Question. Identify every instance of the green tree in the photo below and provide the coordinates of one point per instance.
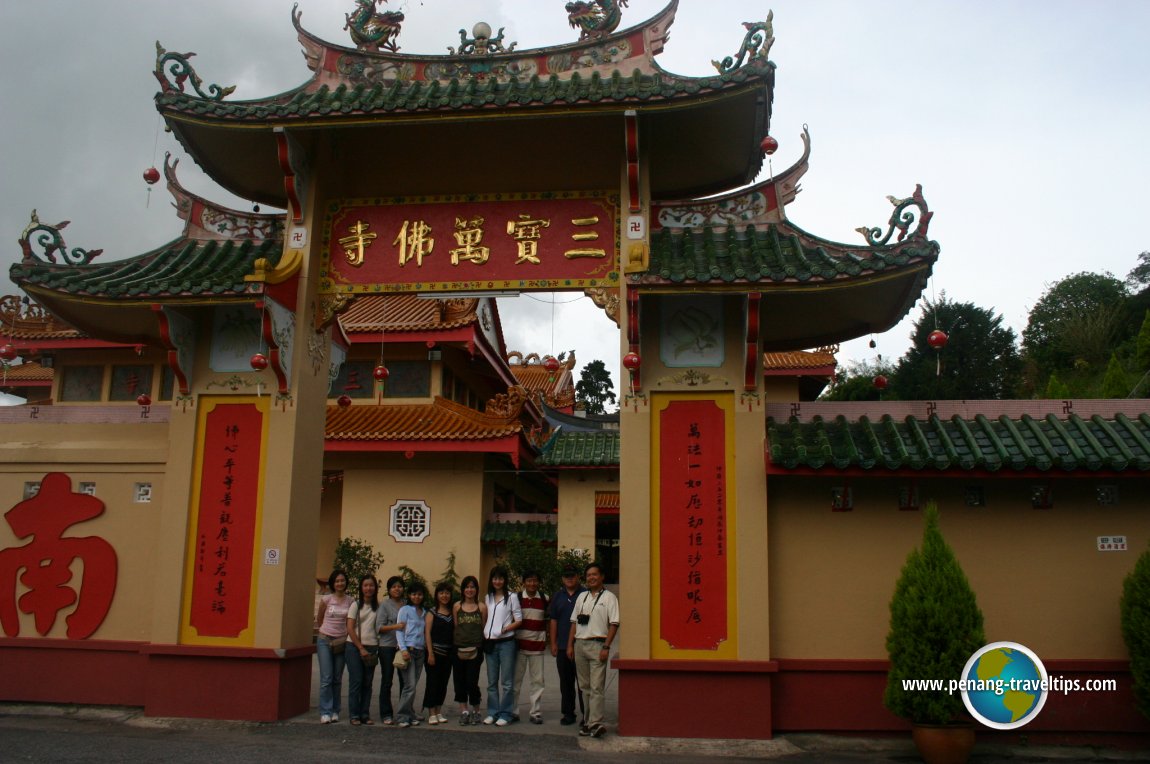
(1139, 276)
(935, 626)
(594, 388)
(524, 554)
(1078, 319)
(358, 558)
(1115, 384)
(1142, 345)
(449, 575)
(1056, 390)
(980, 360)
(410, 577)
(1134, 608)
(856, 382)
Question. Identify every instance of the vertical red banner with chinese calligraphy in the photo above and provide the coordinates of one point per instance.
(693, 511)
(225, 521)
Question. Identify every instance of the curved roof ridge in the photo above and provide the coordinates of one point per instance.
(205, 219)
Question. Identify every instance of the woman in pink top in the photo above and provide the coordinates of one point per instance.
(331, 620)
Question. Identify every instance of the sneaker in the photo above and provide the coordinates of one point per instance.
(501, 723)
(464, 718)
(536, 718)
(585, 731)
(489, 720)
(325, 719)
(475, 717)
(514, 717)
(432, 719)
(415, 722)
(387, 722)
(441, 718)
(334, 718)
(568, 720)
(404, 725)
(598, 730)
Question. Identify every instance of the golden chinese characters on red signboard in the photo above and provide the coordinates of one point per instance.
(471, 243)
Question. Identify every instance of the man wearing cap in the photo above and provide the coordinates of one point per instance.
(562, 605)
(594, 624)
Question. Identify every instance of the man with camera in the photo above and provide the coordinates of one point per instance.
(596, 622)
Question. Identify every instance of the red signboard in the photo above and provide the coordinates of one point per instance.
(692, 525)
(229, 481)
(471, 243)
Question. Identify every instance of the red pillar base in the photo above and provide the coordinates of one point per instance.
(222, 683)
(696, 699)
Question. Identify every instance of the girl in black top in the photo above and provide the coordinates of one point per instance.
(440, 651)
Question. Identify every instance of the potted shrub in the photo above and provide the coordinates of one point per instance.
(935, 626)
(1135, 608)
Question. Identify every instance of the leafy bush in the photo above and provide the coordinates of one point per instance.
(935, 626)
(1135, 611)
(358, 558)
(523, 554)
(449, 576)
(410, 577)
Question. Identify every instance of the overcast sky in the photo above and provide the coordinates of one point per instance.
(1025, 122)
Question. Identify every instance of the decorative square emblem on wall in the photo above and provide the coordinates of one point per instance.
(410, 521)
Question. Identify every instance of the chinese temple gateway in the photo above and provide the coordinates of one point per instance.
(208, 418)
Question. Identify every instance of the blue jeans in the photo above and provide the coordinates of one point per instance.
(360, 678)
(330, 676)
(408, 678)
(501, 679)
(387, 674)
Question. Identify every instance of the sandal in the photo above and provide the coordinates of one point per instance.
(355, 722)
(368, 722)
(388, 722)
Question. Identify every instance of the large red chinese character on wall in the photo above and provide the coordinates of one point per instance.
(47, 558)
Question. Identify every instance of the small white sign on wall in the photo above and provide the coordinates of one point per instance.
(271, 557)
(410, 520)
(1111, 543)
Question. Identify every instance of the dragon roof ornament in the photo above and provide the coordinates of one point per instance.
(756, 45)
(595, 19)
(52, 242)
(901, 219)
(370, 30)
(173, 70)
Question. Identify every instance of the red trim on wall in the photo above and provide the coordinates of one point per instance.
(878, 471)
(251, 684)
(508, 445)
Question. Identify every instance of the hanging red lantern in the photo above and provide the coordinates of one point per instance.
(880, 382)
(144, 400)
(631, 362)
(8, 353)
(381, 373)
(151, 176)
(551, 364)
(259, 362)
(769, 145)
(343, 401)
(937, 339)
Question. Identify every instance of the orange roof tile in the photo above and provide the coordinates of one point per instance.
(798, 360)
(406, 312)
(29, 372)
(529, 373)
(607, 500)
(439, 420)
(29, 321)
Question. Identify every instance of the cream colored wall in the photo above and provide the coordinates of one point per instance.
(1037, 575)
(453, 488)
(780, 389)
(115, 458)
(577, 507)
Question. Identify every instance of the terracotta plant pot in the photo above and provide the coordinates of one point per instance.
(944, 743)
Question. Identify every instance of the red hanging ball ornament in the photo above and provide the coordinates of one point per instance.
(880, 382)
(551, 364)
(381, 373)
(937, 339)
(259, 362)
(343, 401)
(8, 353)
(144, 400)
(769, 145)
(151, 176)
(631, 362)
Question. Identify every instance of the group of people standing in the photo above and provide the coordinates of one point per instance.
(451, 637)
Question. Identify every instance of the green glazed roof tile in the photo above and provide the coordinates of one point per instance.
(770, 252)
(582, 449)
(1070, 443)
(182, 267)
